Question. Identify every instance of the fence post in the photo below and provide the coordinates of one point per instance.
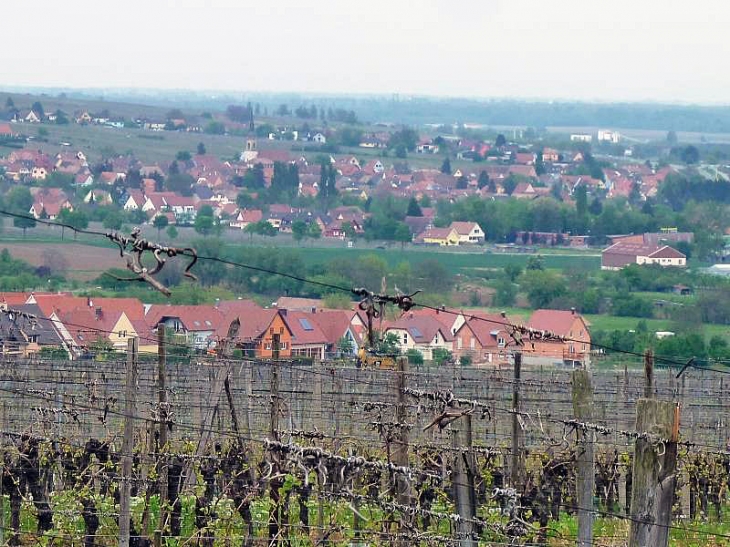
(654, 477)
(130, 409)
(464, 487)
(274, 483)
(585, 476)
(517, 460)
(163, 418)
(648, 374)
(317, 410)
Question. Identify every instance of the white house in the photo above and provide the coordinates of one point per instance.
(319, 138)
(468, 232)
(605, 135)
(581, 137)
(422, 333)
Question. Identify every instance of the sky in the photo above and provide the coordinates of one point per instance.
(608, 50)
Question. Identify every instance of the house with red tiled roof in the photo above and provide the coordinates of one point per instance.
(198, 323)
(261, 332)
(443, 237)
(484, 339)
(421, 333)
(468, 232)
(307, 339)
(574, 350)
(336, 327)
(246, 217)
(626, 252)
(135, 200)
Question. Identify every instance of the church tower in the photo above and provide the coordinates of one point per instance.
(250, 153)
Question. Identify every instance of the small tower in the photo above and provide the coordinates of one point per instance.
(250, 153)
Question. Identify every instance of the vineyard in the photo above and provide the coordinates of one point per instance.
(143, 449)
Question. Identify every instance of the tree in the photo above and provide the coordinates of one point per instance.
(201, 149)
(414, 210)
(581, 200)
(215, 128)
(171, 232)
(415, 357)
(314, 231)
(9, 104)
(205, 221)
(299, 230)
(160, 222)
(77, 219)
(500, 141)
(446, 166)
(254, 177)
(113, 220)
(19, 201)
(462, 183)
(283, 110)
(542, 287)
(183, 155)
(61, 118)
(175, 114)
(441, 356)
(671, 137)
(690, 155)
(180, 183)
(38, 109)
(483, 180)
(403, 234)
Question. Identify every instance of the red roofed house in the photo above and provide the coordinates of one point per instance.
(337, 328)
(484, 339)
(307, 339)
(565, 323)
(246, 217)
(423, 334)
(625, 253)
(468, 232)
(198, 323)
(260, 331)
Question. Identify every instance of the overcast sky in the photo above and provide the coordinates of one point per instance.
(656, 50)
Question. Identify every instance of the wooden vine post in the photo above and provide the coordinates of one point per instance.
(464, 481)
(585, 476)
(274, 483)
(400, 451)
(130, 410)
(517, 464)
(163, 418)
(655, 463)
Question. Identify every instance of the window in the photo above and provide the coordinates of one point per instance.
(405, 338)
(500, 342)
(281, 330)
(271, 330)
(572, 348)
(459, 343)
(473, 343)
(283, 345)
(306, 325)
(267, 345)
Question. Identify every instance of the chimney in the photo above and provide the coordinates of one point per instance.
(283, 311)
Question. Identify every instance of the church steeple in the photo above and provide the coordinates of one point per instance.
(250, 152)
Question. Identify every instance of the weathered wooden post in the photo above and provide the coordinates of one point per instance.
(517, 460)
(130, 410)
(162, 418)
(585, 476)
(464, 484)
(654, 478)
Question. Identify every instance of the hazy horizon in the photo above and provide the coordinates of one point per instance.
(519, 49)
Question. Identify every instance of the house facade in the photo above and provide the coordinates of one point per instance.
(622, 254)
(575, 350)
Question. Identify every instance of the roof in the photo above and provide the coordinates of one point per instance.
(422, 329)
(12, 330)
(557, 321)
(254, 322)
(463, 228)
(436, 233)
(193, 318)
(298, 304)
(304, 328)
(487, 327)
(642, 249)
(333, 323)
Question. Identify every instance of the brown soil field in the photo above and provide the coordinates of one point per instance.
(84, 262)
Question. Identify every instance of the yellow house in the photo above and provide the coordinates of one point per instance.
(444, 237)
